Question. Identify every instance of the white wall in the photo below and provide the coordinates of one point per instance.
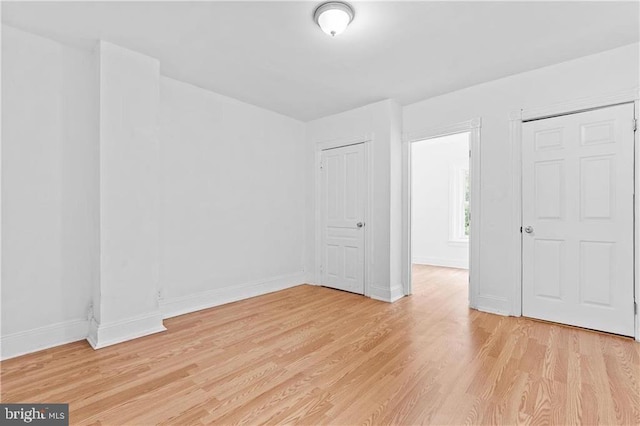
(232, 215)
(607, 72)
(120, 186)
(380, 121)
(49, 220)
(433, 163)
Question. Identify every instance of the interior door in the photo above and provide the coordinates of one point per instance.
(343, 206)
(577, 244)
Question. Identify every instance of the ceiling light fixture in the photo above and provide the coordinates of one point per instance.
(333, 17)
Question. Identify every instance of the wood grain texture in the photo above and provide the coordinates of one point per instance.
(312, 355)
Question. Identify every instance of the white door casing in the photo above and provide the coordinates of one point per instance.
(473, 127)
(577, 216)
(343, 189)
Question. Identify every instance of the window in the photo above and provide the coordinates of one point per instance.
(459, 205)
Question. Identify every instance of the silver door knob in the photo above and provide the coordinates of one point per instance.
(359, 224)
(528, 229)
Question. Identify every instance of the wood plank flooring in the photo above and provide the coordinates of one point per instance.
(312, 355)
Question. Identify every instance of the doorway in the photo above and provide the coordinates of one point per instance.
(470, 225)
(440, 210)
(578, 219)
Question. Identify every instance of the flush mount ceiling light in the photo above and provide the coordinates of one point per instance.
(333, 17)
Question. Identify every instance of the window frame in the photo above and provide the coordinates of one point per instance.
(458, 175)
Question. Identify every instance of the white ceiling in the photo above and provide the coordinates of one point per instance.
(271, 54)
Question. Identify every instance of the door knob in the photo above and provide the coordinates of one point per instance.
(359, 224)
(528, 229)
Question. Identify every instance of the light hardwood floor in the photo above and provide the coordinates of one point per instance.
(311, 355)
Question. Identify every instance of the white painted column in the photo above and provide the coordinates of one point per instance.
(125, 303)
(387, 181)
(396, 279)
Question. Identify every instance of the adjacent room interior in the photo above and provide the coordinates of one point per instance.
(321, 213)
(440, 210)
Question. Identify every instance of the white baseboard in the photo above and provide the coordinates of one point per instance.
(397, 293)
(493, 311)
(310, 278)
(102, 335)
(40, 338)
(493, 305)
(386, 294)
(437, 261)
(195, 302)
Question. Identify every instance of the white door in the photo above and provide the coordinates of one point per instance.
(343, 202)
(577, 243)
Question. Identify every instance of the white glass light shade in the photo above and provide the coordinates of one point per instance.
(333, 22)
(333, 17)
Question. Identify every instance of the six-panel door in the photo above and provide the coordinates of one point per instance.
(343, 202)
(578, 186)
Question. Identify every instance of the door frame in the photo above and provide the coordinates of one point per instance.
(367, 140)
(516, 118)
(472, 127)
